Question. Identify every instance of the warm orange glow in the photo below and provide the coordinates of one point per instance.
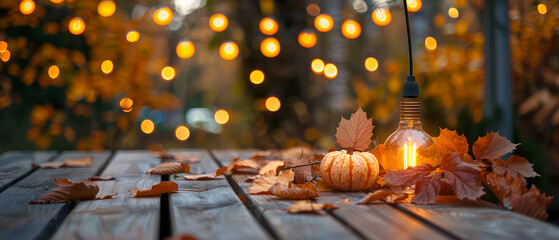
(218, 22)
(317, 66)
(410, 156)
(371, 64)
(182, 133)
(268, 26)
(221, 116)
(133, 36)
(56, 1)
(542, 9)
(256, 77)
(313, 9)
(323, 22)
(273, 104)
(453, 12)
(147, 126)
(3, 46)
(107, 66)
(163, 16)
(106, 8)
(330, 71)
(414, 5)
(430, 44)
(307, 39)
(381, 17)
(76, 26)
(27, 7)
(168, 73)
(126, 103)
(228, 50)
(185, 49)
(351, 29)
(270, 47)
(53, 71)
(5, 55)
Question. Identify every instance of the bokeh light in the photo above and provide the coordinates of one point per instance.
(323, 23)
(218, 22)
(542, 9)
(182, 133)
(270, 47)
(106, 8)
(168, 73)
(351, 29)
(256, 77)
(185, 49)
(221, 116)
(313, 9)
(163, 16)
(430, 44)
(228, 50)
(107, 66)
(371, 64)
(268, 26)
(453, 12)
(56, 1)
(133, 36)
(414, 5)
(147, 126)
(317, 66)
(273, 104)
(307, 39)
(53, 71)
(126, 103)
(381, 17)
(5, 55)
(76, 26)
(27, 7)
(330, 71)
(3, 46)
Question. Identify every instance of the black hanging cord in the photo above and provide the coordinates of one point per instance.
(409, 37)
(410, 86)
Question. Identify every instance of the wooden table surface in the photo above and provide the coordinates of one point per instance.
(219, 212)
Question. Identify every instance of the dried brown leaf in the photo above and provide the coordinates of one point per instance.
(305, 206)
(514, 166)
(68, 190)
(345, 200)
(168, 168)
(235, 165)
(70, 162)
(294, 192)
(407, 178)
(375, 196)
(321, 186)
(504, 187)
(96, 178)
(273, 167)
(532, 203)
(208, 176)
(263, 183)
(492, 146)
(355, 133)
(163, 187)
(463, 176)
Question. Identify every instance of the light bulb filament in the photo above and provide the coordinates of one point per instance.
(410, 156)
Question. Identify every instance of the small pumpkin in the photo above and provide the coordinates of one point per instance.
(349, 172)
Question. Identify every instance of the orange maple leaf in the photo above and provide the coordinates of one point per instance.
(492, 146)
(355, 133)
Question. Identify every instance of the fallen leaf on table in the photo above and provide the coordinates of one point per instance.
(235, 165)
(305, 174)
(201, 176)
(294, 192)
(182, 236)
(306, 206)
(386, 195)
(492, 146)
(168, 168)
(346, 200)
(321, 186)
(273, 166)
(164, 155)
(70, 162)
(96, 178)
(68, 190)
(532, 203)
(262, 184)
(513, 167)
(504, 187)
(355, 133)
(252, 179)
(163, 187)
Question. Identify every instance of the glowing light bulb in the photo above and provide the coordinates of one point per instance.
(182, 133)
(53, 71)
(330, 71)
(132, 36)
(218, 22)
(317, 66)
(381, 17)
(414, 5)
(163, 16)
(3, 46)
(126, 103)
(273, 104)
(270, 47)
(407, 145)
(221, 116)
(76, 26)
(106, 8)
(542, 9)
(5, 55)
(371, 64)
(256, 77)
(453, 12)
(107, 66)
(268, 26)
(351, 29)
(323, 22)
(56, 1)
(185, 49)
(307, 39)
(27, 7)
(430, 44)
(168, 73)
(147, 126)
(228, 50)
(313, 9)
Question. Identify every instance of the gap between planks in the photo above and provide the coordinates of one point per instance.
(16, 180)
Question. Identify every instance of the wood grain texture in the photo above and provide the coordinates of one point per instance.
(216, 213)
(15, 164)
(19, 220)
(124, 217)
(469, 221)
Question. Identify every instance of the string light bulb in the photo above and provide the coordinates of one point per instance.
(330, 71)
(3, 46)
(371, 64)
(317, 66)
(218, 22)
(228, 50)
(430, 44)
(256, 77)
(381, 17)
(132, 36)
(5, 55)
(221, 116)
(323, 22)
(126, 103)
(147, 126)
(542, 9)
(453, 12)
(106, 8)
(268, 26)
(76, 26)
(185, 49)
(307, 39)
(273, 104)
(351, 29)
(414, 5)
(168, 73)
(56, 1)
(270, 47)
(107, 66)
(163, 16)
(182, 133)
(27, 7)
(53, 71)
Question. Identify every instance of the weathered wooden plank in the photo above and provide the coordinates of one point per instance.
(216, 213)
(471, 221)
(15, 164)
(124, 217)
(19, 220)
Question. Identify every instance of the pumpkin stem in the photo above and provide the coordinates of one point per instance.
(350, 151)
(301, 165)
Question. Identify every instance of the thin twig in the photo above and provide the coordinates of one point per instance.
(301, 165)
